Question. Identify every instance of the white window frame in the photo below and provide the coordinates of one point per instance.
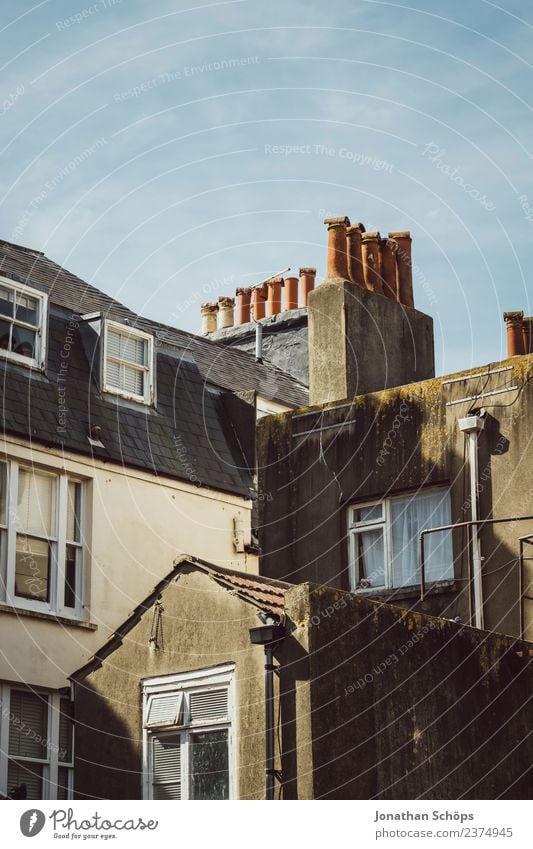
(52, 764)
(183, 684)
(39, 360)
(148, 370)
(385, 524)
(58, 545)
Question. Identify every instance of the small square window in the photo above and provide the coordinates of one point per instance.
(128, 362)
(22, 324)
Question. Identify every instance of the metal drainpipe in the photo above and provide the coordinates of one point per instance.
(473, 425)
(269, 723)
(258, 341)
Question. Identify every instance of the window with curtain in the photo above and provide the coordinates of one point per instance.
(383, 539)
(41, 539)
(38, 748)
(188, 736)
(22, 323)
(128, 366)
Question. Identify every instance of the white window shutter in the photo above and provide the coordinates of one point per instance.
(164, 710)
(208, 705)
(28, 720)
(166, 761)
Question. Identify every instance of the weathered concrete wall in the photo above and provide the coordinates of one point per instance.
(405, 706)
(203, 626)
(394, 442)
(285, 341)
(361, 342)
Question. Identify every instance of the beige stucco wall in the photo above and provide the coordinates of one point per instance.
(203, 626)
(137, 525)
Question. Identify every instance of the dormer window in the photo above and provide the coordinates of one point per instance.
(22, 324)
(128, 365)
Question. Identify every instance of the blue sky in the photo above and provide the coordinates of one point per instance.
(169, 152)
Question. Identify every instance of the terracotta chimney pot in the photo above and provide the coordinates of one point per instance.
(291, 293)
(307, 283)
(404, 264)
(209, 318)
(515, 333)
(337, 248)
(274, 288)
(388, 269)
(258, 302)
(355, 256)
(226, 308)
(243, 305)
(370, 249)
(528, 334)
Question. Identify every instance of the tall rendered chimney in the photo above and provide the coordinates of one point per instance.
(388, 269)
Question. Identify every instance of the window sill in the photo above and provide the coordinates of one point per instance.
(392, 594)
(49, 617)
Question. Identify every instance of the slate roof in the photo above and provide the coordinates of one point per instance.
(266, 594)
(227, 368)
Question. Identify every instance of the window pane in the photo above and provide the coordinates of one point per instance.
(6, 302)
(62, 782)
(32, 568)
(410, 516)
(208, 705)
(113, 374)
(26, 309)
(134, 350)
(73, 511)
(3, 493)
(24, 780)
(23, 341)
(28, 720)
(369, 553)
(71, 558)
(5, 335)
(132, 380)
(65, 732)
(166, 754)
(209, 765)
(36, 503)
(374, 513)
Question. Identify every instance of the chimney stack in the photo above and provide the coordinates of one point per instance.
(337, 248)
(209, 318)
(372, 261)
(388, 269)
(404, 267)
(243, 305)
(291, 293)
(307, 283)
(226, 307)
(274, 287)
(355, 256)
(258, 302)
(516, 338)
(528, 334)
